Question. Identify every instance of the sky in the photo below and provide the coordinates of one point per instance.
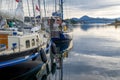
(79, 8)
(93, 8)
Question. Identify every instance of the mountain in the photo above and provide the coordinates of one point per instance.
(75, 19)
(87, 19)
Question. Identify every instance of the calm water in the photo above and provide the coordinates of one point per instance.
(95, 54)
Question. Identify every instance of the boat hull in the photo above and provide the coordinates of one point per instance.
(24, 71)
(18, 54)
(63, 37)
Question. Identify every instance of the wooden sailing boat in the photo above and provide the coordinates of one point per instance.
(21, 40)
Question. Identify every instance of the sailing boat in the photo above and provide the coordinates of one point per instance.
(20, 42)
(65, 32)
(61, 35)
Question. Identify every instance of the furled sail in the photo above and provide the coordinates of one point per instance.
(18, 13)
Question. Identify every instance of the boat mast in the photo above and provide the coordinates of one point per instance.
(44, 7)
(28, 8)
(34, 12)
(29, 11)
(1, 4)
(61, 8)
(39, 3)
(55, 6)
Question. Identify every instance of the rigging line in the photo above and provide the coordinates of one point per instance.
(61, 4)
(13, 4)
(28, 8)
(56, 75)
(1, 4)
(65, 72)
(62, 68)
(29, 12)
(55, 5)
(69, 7)
(34, 11)
(46, 7)
(44, 2)
(39, 3)
(59, 74)
(8, 6)
(70, 59)
(66, 10)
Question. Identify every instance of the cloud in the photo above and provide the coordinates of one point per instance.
(94, 4)
(78, 8)
(109, 63)
(94, 8)
(91, 67)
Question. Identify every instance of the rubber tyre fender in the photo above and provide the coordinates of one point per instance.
(53, 48)
(47, 47)
(54, 67)
(44, 77)
(43, 56)
(47, 69)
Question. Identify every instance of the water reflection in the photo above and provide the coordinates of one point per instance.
(95, 54)
(117, 26)
(86, 27)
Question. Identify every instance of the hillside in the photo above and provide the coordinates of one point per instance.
(87, 20)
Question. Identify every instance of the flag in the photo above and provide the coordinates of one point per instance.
(37, 8)
(17, 0)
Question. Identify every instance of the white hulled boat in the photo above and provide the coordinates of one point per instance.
(18, 39)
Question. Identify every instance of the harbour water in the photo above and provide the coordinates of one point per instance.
(95, 54)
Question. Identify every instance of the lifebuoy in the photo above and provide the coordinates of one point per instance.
(43, 55)
(54, 48)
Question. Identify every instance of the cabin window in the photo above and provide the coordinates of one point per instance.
(27, 43)
(37, 40)
(33, 42)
